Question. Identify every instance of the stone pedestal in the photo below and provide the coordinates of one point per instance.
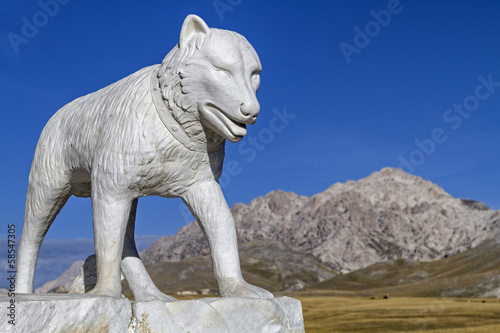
(64, 313)
(219, 315)
(83, 313)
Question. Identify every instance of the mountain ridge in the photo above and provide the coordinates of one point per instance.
(388, 215)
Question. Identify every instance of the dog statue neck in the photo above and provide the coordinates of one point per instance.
(184, 125)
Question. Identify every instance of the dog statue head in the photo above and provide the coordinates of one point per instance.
(209, 82)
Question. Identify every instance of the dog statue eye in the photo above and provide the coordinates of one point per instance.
(256, 80)
(221, 70)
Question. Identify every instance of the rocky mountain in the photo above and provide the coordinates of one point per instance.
(63, 282)
(473, 273)
(266, 263)
(387, 216)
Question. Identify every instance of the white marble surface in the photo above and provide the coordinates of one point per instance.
(218, 315)
(61, 313)
(58, 313)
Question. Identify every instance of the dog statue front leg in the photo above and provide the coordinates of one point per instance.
(110, 213)
(207, 203)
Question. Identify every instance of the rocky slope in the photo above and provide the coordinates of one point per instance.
(63, 282)
(473, 273)
(388, 215)
(266, 263)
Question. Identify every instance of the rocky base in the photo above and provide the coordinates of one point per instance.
(64, 313)
(86, 313)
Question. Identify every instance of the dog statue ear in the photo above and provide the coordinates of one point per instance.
(192, 25)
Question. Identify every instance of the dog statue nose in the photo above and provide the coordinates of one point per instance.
(250, 110)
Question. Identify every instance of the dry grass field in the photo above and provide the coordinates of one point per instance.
(400, 314)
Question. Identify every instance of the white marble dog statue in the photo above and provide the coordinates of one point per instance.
(160, 131)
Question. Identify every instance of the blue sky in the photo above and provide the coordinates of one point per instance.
(342, 94)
